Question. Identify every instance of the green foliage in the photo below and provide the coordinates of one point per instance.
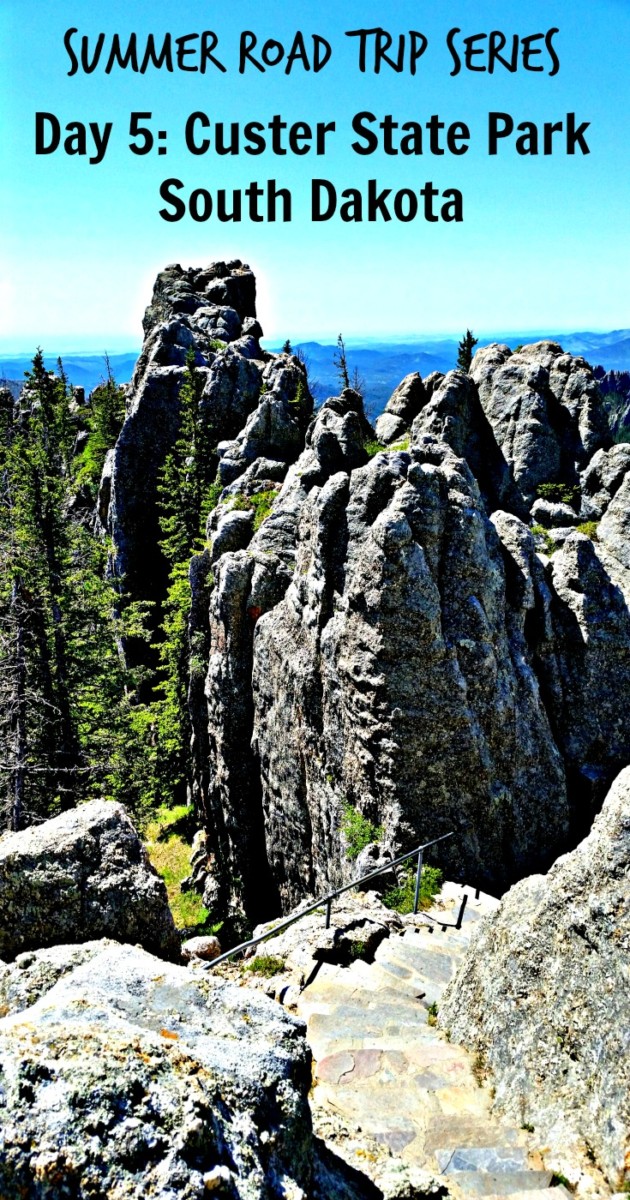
(66, 693)
(104, 417)
(432, 1014)
(541, 532)
(260, 502)
(560, 1180)
(590, 529)
(217, 344)
(560, 493)
(402, 445)
(465, 351)
(374, 447)
(301, 395)
(357, 831)
(168, 848)
(401, 898)
(266, 964)
(340, 362)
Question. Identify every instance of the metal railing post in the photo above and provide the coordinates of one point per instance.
(418, 878)
(461, 911)
(328, 911)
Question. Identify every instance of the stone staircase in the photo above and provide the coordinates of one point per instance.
(382, 1065)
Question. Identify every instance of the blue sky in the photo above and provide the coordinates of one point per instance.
(543, 243)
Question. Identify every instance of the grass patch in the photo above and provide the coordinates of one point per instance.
(402, 445)
(401, 898)
(260, 502)
(432, 1015)
(358, 832)
(167, 837)
(550, 545)
(590, 529)
(372, 448)
(266, 964)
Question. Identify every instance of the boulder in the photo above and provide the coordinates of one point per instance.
(389, 428)
(543, 996)
(550, 514)
(132, 1077)
(80, 876)
(204, 948)
(234, 532)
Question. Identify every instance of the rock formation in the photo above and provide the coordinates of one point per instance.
(79, 876)
(438, 635)
(124, 1075)
(543, 995)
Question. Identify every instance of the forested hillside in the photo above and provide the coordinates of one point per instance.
(81, 716)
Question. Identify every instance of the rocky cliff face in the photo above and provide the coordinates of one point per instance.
(410, 633)
(542, 994)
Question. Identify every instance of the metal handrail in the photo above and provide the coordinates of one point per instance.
(327, 900)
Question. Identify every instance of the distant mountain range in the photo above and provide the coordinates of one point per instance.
(380, 365)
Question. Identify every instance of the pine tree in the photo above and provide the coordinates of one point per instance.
(184, 488)
(104, 417)
(66, 696)
(341, 363)
(465, 351)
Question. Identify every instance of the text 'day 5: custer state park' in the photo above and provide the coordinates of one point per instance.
(269, 201)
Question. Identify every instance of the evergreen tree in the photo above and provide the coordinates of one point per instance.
(465, 351)
(104, 417)
(341, 363)
(184, 496)
(67, 701)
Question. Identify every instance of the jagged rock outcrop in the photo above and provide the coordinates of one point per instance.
(601, 480)
(80, 876)
(545, 411)
(543, 995)
(362, 639)
(124, 1075)
(433, 635)
(211, 312)
(403, 405)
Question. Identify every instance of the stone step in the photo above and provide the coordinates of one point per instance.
(473, 1129)
(426, 959)
(490, 1159)
(384, 991)
(410, 983)
(503, 1183)
(453, 941)
(552, 1193)
(383, 1021)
